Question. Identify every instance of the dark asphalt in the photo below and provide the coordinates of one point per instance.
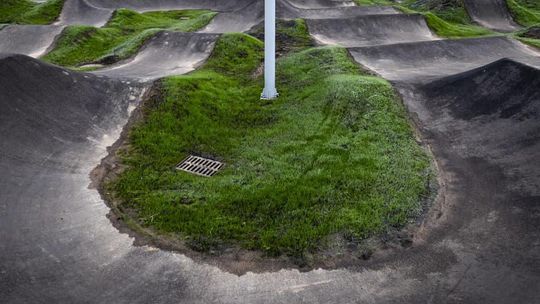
(480, 242)
(370, 30)
(167, 53)
(493, 14)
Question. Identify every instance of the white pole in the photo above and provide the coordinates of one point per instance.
(269, 91)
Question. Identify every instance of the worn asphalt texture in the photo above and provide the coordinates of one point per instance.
(475, 103)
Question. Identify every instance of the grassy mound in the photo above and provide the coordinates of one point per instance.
(446, 18)
(335, 154)
(28, 12)
(525, 12)
(122, 36)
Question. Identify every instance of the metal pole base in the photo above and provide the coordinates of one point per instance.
(269, 91)
(269, 94)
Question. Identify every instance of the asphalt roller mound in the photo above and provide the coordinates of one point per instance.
(98, 12)
(502, 89)
(428, 60)
(497, 106)
(82, 12)
(165, 54)
(46, 107)
(31, 40)
(370, 30)
(288, 10)
(492, 14)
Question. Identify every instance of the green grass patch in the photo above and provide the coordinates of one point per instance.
(447, 19)
(122, 36)
(525, 12)
(28, 12)
(335, 154)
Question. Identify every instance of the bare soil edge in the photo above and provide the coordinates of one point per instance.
(234, 259)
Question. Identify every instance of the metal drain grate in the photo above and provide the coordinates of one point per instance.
(200, 166)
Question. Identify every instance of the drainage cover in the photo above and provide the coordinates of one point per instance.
(200, 166)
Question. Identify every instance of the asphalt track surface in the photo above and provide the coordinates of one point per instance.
(478, 112)
(32, 40)
(167, 53)
(492, 14)
(425, 60)
(234, 16)
(370, 30)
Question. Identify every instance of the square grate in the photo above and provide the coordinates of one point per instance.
(200, 166)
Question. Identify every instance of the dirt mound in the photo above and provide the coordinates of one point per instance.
(504, 88)
(246, 17)
(239, 20)
(155, 5)
(491, 114)
(235, 16)
(320, 3)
